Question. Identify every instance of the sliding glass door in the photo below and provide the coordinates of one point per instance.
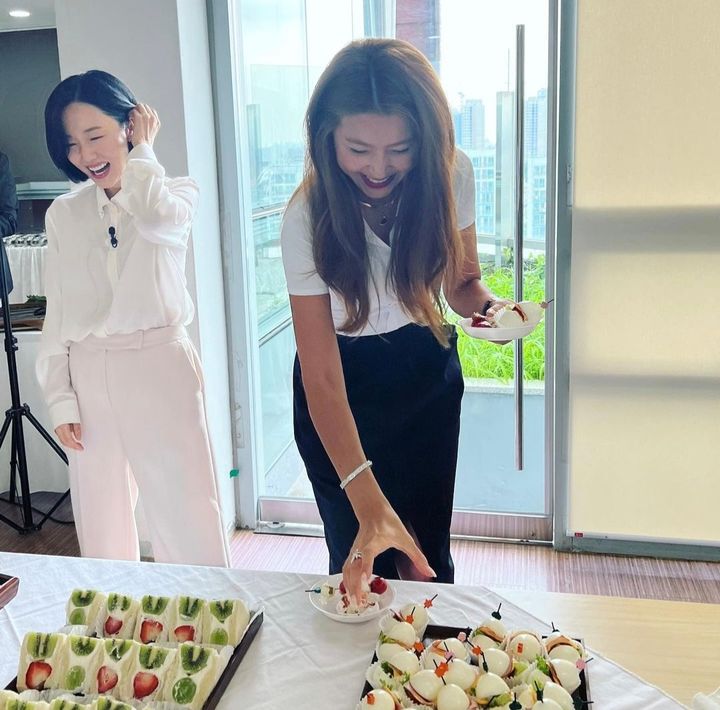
(285, 45)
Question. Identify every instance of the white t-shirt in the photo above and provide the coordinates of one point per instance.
(92, 288)
(386, 311)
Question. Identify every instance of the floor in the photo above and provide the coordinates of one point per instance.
(488, 563)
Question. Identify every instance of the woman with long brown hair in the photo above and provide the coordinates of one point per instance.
(377, 238)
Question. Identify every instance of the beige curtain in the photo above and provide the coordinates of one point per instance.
(645, 272)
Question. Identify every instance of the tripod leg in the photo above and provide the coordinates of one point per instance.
(13, 467)
(22, 467)
(53, 444)
(6, 424)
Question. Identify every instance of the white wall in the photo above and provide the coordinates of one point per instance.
(645, 273)
(160, 50)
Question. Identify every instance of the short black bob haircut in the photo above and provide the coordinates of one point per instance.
(95, 87)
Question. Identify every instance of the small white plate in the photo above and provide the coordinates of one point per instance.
(329, 608)
(499, 334)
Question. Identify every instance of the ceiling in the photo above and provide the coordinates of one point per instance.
(42, 14)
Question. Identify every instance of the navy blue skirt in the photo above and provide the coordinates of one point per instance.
(404, 391)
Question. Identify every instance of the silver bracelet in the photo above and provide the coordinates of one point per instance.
(348, 479)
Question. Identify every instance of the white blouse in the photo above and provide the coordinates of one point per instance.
(386, 311)
(93, 288)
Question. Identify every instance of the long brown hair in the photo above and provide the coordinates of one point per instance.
(388, 77)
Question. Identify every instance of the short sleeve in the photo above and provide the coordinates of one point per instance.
(464, 187)
(297, 253)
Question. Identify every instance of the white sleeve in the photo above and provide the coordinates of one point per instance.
(297, 254)
(464, 187)
(53, 365)
(162, 208)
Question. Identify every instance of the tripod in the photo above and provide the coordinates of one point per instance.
(14, 418)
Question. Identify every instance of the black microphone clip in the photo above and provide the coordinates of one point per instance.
(113, 238)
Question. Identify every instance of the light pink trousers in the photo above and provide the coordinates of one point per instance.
(142, 413)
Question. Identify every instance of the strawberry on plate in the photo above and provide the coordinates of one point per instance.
(378, 585)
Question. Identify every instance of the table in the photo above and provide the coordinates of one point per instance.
(306, 654)
(639, 634)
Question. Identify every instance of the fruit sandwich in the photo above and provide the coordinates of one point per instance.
(185, 619)
(115, 661)
(117, 616)
(41, 661)
(18, 704)
(83, 607)
(67, 704)
(81, 659)
(153, 619)
(148, 671)
(224, 622)
(193, 676)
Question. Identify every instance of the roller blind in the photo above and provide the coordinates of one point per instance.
(644, 438)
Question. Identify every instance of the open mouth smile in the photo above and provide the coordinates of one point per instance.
(377, 184)
(99, 171)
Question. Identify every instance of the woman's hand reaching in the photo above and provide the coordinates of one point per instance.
(70, 436)
(377, 534)
(143, 125)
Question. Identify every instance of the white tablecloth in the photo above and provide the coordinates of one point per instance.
(316, 662)
(27, 266)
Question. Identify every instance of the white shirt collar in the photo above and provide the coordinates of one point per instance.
(103, 201)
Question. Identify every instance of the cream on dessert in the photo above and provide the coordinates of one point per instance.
(118, 616)
(148, 673)
(153, 619)
(115, 660)
(81, 660)
(83, 607)
(224, 621)
(40, 664)
(193, 675)
(185, 619)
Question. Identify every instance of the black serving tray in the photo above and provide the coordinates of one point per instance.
(581, 696)
(238, 654)
(8, 589)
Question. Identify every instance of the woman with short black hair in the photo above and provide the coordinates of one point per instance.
(122, 380)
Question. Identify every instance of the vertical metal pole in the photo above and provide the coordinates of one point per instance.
(518, 241)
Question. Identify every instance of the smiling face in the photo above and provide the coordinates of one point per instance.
(375, 151)
(97, 145)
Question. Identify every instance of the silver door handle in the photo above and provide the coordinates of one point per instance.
(518, 240)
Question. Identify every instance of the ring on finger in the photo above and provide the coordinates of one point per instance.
(355, 556)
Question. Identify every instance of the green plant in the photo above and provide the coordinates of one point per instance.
(485, 360)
